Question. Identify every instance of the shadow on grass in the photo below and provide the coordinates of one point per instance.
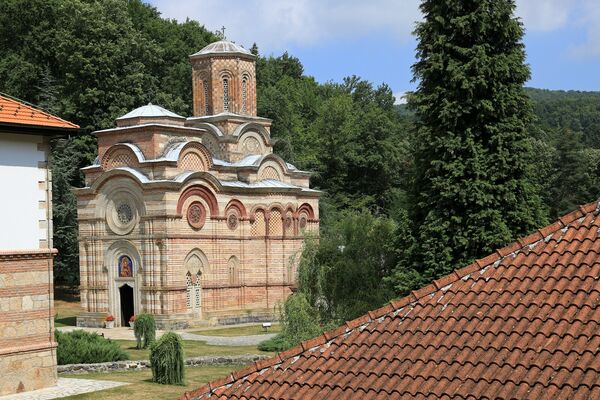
(66, 293)
(66, 321)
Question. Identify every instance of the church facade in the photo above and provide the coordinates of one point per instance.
(194, 220)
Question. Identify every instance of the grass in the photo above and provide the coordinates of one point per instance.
(248, 330)
(142, 387)
(192, 349)
(66, 306)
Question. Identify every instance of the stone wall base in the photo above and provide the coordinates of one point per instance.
(143, 364)
(91, 320)
(27, 371)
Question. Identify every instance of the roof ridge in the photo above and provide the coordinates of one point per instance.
(36, 108)
(399, 304)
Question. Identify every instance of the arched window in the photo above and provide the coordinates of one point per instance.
(188, 285)
(195, 264)
(197, 296)
(234, 271)
(244, 94)
(205, 84)
(225, 94)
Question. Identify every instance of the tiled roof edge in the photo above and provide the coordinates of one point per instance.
(39, 110)
(395, 305)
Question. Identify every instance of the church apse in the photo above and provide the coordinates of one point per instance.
(194, 220)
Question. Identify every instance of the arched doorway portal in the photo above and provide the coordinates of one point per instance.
(126, 300)
(124, 274)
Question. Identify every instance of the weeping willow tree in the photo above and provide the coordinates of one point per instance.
(166, 359)
(144, 330)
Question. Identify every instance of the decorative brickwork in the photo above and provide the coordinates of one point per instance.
(196, 205)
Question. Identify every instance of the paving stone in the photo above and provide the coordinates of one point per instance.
(65, 387)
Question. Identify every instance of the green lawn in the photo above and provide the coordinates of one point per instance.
(240, 331)
(142, 386)
(192, 349)
(66, 309)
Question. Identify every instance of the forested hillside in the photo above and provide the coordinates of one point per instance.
(92, 61)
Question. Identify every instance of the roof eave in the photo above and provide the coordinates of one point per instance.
(39, 130)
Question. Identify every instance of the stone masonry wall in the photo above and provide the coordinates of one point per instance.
(27, 347)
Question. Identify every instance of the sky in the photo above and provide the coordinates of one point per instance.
(373, 38)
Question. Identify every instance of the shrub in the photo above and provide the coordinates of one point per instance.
(277, 343)
(80, 347)
(166, 360)
(299, 322)
(144, 330)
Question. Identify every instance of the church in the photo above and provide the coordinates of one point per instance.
(194, 220)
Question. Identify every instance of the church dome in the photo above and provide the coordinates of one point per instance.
(150, 113)
(150, 110)
(223, 47)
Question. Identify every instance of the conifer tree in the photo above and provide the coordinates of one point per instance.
(472, 190)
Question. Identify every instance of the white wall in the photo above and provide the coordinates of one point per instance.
(20, 192)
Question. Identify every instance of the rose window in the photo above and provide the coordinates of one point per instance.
(124, 213)
(196, 215)
(232, 221)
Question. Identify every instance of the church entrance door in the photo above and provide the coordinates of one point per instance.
(126, 294)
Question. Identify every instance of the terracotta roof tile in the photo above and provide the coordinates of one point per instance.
(522, 323)
(19, 113)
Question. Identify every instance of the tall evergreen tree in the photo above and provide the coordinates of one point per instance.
(571, 183)
(472, 190)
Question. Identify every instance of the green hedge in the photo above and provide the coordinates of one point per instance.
(80, 347)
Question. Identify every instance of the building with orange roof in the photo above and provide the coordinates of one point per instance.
(27, 347)
(521, 323)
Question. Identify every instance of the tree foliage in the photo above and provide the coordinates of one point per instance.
(473, 190)
(299, 322)
(144, 330)
(343, 274)
(167, 360)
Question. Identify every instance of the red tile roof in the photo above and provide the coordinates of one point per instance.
(15, 112)
(523, 322)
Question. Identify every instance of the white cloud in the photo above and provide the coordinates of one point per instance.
(400, 98)
(545, 15)
(276, 24)
(590, 18)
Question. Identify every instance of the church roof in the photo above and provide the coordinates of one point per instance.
(223, 47)
(523, 322)
(150, 110)
(17, 113)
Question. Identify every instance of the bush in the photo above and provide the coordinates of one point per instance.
(166, 360)
(299, 322)
(80, 347)
(144, 330)
(278, 343)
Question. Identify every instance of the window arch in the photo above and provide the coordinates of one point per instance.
(196, 264)
(205, 84)
(197, 295)
(225, 94)
(233, 266)
(188, 290)
(244, 94)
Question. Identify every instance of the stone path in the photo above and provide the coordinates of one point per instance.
(66, 387)
(250, 340)
(127, 334)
